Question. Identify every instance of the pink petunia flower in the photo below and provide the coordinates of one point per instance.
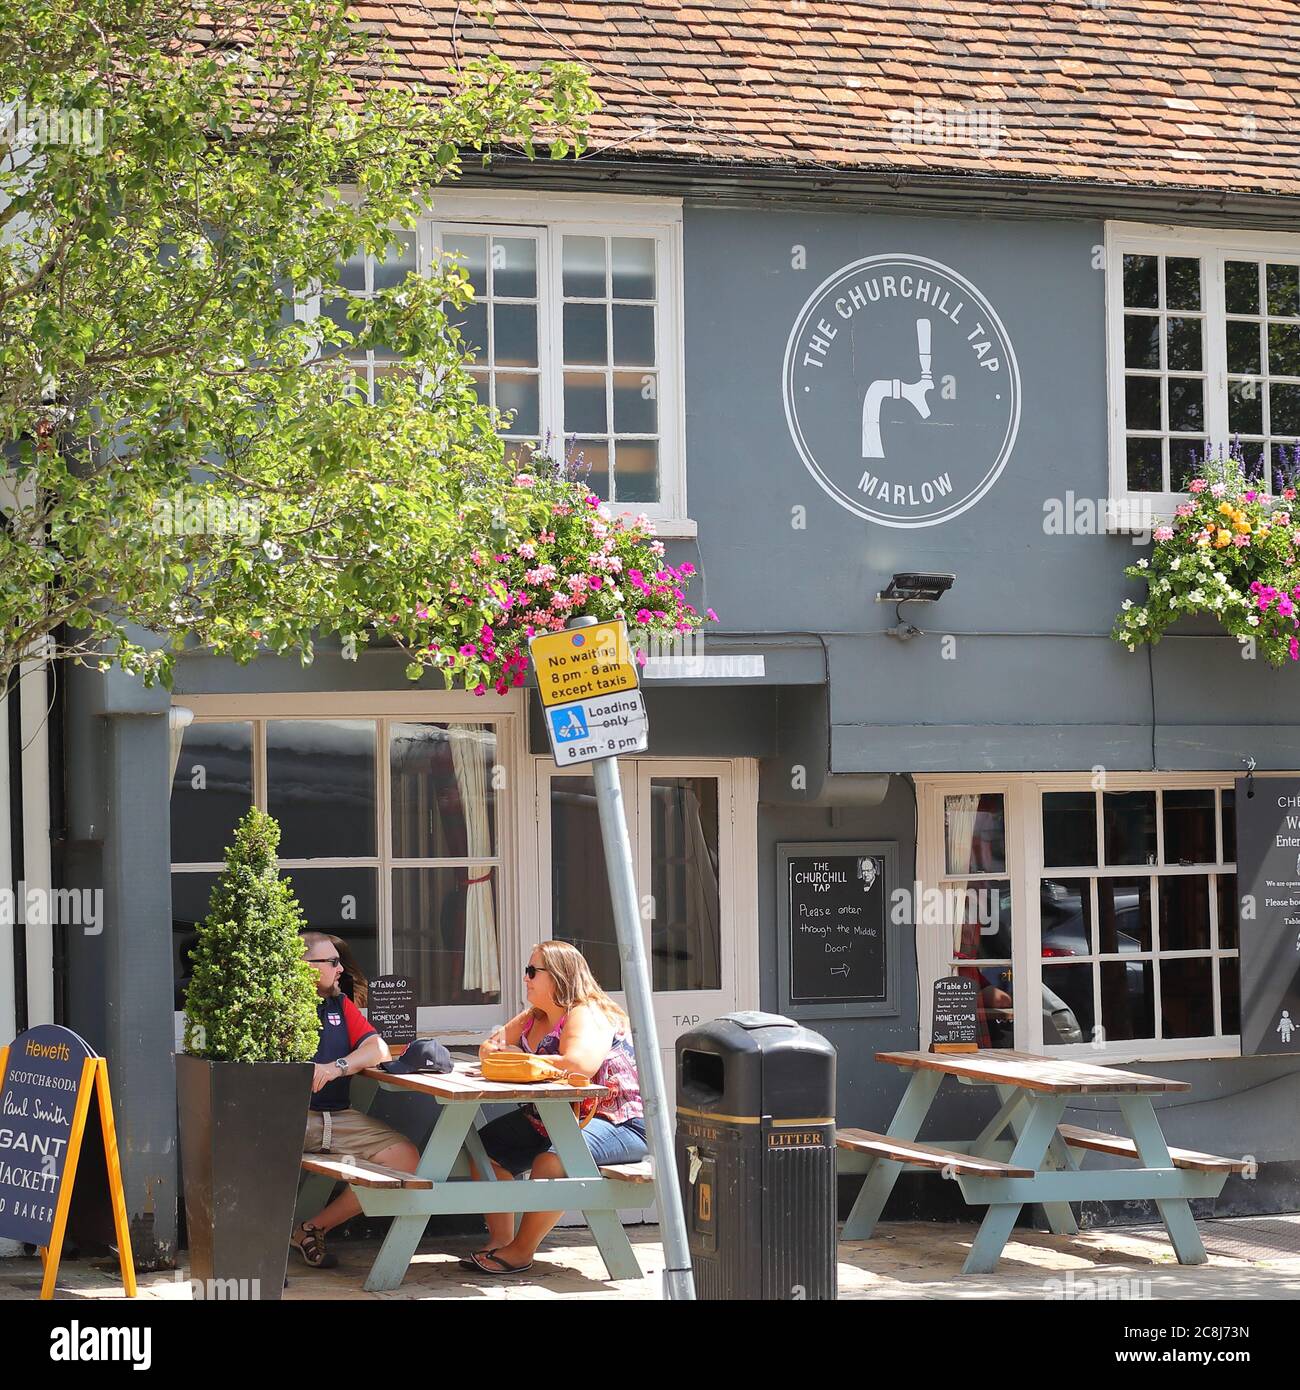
(1163, 533)
(1197, 485)
(1218, 489)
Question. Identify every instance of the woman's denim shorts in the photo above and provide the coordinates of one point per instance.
(513, 1141)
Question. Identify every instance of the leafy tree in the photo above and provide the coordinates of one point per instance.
(189, 457)
(252, 997)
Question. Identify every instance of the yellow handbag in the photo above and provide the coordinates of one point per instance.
(528, 1069)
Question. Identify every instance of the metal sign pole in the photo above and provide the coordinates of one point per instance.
(678, 1280)
(679, 1283)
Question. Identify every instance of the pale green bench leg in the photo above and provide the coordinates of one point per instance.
(606, 1227)
(883, 1172)
(1035, 1138)
(440, 1155)
(1060, 1217)
(1176, 1213)
(1012, 1100)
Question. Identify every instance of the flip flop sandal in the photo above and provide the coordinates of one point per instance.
(483, 1262)
(468, 1261)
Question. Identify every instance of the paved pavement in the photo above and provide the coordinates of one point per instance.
(905, 1260)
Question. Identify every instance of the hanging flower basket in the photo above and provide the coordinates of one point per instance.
(549, 552)
(1231, 551)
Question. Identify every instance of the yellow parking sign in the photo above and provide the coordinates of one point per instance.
(583, 662)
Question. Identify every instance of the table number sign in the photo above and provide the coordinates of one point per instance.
(955, 1025)
(390, 1007)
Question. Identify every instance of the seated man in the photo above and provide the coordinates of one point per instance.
(348, 1044)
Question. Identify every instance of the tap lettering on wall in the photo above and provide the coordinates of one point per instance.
(861, 366)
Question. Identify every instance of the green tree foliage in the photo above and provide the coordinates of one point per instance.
(187, 459)
(252, 997)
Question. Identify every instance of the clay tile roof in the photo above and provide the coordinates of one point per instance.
(1179, 94)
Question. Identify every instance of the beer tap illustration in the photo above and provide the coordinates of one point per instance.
(893, 390)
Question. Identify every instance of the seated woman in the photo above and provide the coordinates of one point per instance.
(348, 1044)
(572, 1020)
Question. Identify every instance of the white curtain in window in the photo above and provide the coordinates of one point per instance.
(482, 968)
(960, 815)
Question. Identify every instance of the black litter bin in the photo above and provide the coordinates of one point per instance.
(756, 1157)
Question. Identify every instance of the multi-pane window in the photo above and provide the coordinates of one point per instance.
(1105, 919)
(1262, 300)
(1205, 354)
(611, 378)
(1164, 370)
(1138, 912)
(361, 276)
(502, 325)
(573, 337)
(389, 833)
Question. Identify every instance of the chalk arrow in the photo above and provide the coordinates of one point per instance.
(840, 970)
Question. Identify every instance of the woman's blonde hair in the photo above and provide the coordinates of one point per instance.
(573, 983)
(360, 989)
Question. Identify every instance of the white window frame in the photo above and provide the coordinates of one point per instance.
(549, 217)
(1133, 510)
(1022, 793)
(509, 714)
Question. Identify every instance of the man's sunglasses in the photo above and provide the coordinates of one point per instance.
(531, 970)
(323, 960)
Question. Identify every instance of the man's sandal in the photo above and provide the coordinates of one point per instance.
(488, 1262)
(311, 1246)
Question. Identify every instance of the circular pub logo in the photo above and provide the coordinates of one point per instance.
(901, 389)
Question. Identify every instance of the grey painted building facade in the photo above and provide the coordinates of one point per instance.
(1010, 729)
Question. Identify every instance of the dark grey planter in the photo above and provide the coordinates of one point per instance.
(241, 1131)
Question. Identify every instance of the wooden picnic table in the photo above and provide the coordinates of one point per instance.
(445, 1184)
(1039, 1163)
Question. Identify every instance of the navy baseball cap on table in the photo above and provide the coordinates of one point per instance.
(424, 1054)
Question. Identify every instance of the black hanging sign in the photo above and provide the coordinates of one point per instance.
(837, 929)
(1268, 892)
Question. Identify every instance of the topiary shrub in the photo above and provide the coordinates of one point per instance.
(252, 997)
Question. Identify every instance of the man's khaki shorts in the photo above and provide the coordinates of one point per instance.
(347, 1132)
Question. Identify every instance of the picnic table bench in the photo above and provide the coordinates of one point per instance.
(447, 1181)
(1039, 1163)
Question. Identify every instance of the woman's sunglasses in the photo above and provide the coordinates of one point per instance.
(531, 970)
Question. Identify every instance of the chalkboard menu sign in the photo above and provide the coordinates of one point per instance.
(390, 1008)
(1268, 887)
(37, 1104)
(836, 928)
(955, 1023)
(49, 1079)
